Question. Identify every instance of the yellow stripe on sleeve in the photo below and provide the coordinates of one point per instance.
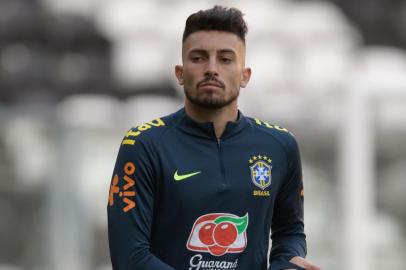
(130, 142)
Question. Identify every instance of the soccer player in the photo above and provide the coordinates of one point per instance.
(203, 188)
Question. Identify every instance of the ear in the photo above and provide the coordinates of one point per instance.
(179, 73)
(245, 77)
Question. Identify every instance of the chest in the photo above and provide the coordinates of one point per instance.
(220, 175)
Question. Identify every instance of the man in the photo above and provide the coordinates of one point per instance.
(202, 188)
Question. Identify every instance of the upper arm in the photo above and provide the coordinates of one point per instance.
(130, 208)
(289, 201)
(288, 238)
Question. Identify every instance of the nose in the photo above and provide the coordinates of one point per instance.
(211, 68)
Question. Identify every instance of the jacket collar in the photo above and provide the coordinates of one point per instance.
(206, 130)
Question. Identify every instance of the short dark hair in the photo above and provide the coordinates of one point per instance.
(218, 18)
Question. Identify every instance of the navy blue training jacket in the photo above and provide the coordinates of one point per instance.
(181, 199)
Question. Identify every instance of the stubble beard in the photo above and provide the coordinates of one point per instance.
(209, 101)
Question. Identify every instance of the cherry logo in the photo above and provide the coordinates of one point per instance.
(206, 234)
(225, 233)
(218, 234)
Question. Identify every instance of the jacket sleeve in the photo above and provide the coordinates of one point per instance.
(288, 238)
(130, 209)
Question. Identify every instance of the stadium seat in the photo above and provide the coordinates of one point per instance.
(381, 69)
(28, 132)
(323, 45)
(382, 73)
(143, 108)
(88, 111)
(90, 138)
(128, 19)
(140, 63)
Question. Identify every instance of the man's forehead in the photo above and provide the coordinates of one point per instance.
(213, 41)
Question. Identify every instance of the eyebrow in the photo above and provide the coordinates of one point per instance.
(202, 51)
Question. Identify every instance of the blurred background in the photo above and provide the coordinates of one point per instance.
(75, 75)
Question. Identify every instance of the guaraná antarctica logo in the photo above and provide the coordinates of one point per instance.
(219, 234)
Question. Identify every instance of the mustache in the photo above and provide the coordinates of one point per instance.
(208, 79)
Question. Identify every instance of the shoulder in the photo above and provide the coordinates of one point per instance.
(148, 132)
(279, 133)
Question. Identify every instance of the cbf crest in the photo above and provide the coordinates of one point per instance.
(260, 167)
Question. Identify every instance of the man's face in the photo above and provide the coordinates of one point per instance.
(213, 68)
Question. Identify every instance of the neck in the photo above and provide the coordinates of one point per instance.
(219, 117)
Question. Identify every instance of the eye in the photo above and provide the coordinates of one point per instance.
(226, 60)
(197, 59)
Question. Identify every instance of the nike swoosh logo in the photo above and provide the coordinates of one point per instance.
(178, 177)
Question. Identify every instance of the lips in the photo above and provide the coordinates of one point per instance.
(211, 84)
